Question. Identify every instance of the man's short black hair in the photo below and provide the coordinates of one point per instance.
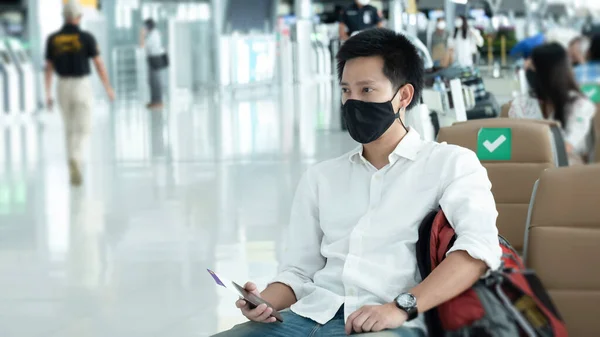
(150, 24)
(594, 53)
(402, 63)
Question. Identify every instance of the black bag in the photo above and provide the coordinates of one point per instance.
(159, 61)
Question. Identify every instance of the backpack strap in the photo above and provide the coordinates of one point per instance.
(442, 239)
(423, 250)
(423, 244)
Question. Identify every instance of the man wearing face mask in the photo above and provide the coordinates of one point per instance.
(349, 264)
(359, 16)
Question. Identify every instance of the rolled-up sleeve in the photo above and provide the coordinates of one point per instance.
(302, 254)
(469, 205)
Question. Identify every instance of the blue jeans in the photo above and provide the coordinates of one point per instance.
(298, 326)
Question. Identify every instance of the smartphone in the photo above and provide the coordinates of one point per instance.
(253, 300)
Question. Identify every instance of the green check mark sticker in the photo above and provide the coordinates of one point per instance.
(592, 91)
(494, 144)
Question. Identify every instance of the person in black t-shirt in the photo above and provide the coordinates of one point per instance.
(357, 17)
(68, 53)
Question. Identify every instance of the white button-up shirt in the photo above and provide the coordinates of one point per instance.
(154, 44)
(353, 228)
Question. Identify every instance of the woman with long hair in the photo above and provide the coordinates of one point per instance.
(463, 44)
(555, 95)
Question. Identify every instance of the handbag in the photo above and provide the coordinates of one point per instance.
(159, 62)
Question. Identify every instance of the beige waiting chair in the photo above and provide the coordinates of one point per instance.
(589, 89)
(504, 110)
(563, 243)
(596, 150)
(533, 151)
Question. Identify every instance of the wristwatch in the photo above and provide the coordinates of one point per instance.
(408, 303)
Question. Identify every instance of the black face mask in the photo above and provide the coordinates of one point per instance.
(367, 121)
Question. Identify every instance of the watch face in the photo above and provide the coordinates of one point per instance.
(406, 301)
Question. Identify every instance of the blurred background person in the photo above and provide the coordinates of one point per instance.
(68, 52)
(577, 50)
(151, 41)
(439, 42)
(589, 72)
(359, 16)
(555, 95)
(463, 44)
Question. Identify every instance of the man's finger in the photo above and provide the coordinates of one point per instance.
(378, 327)
(265, 315)
(359, 321)
(351, 320)
(249, 286)
(245, 310)
(255, 313)
(368, 324)
(240, 304)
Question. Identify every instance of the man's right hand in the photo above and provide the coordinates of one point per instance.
(111, 94)
(260, 314)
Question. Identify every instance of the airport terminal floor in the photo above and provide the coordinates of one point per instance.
(167, 194)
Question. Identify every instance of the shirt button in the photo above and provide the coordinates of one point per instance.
(351, 292)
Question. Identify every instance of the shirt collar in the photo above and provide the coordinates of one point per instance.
(408, 148)
(70, 27)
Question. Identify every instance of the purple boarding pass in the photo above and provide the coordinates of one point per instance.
(216, 278)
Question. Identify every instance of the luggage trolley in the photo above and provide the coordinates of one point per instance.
(22, 61)
(10, 83)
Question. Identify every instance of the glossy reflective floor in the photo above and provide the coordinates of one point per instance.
(206, 183)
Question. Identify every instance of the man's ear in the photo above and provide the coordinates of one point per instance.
(405, 96)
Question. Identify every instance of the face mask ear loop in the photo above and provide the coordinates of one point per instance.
(397, 91)
(400, 119)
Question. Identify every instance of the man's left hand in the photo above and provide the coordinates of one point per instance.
(375, 318)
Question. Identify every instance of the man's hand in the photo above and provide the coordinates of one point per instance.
(375, 318)
(49, 103)
(111, 94)
(260, 314)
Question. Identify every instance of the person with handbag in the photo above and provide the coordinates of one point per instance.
(150, 40)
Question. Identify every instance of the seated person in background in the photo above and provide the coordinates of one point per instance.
(589, 72)
(349, 264)
(439, 41)
(576, 50)
(556, 96)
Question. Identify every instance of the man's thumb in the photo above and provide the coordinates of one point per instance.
(250, 286)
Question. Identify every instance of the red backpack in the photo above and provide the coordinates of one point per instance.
(507, 302)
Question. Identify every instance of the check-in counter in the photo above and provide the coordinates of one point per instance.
(10, 83)
(24, 66)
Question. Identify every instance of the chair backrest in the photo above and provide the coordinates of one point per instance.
(596, 132)
(562, 243)
(532, 151)
(592, 91)
(504, 110)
